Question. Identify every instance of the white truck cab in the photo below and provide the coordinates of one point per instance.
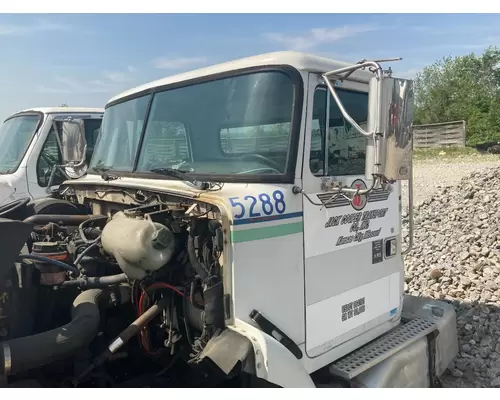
(278, 178)
(31, 149)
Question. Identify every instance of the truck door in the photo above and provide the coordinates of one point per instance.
(47, 154)
(352, 284)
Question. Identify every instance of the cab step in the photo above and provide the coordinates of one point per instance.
(382, 348)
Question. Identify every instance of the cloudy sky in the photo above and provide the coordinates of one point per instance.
(83, 60)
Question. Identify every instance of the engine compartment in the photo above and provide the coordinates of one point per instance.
(122, 294)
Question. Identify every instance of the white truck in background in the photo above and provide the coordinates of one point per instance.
(36, 147)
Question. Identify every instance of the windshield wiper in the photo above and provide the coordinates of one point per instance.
(183, 176)
(104, 173)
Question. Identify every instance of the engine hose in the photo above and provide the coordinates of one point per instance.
(83, 225)
(59, 264)
(93, 244)
(70, 220)
(96, 281)
(25, 353)
(193, 259)
(128, 333)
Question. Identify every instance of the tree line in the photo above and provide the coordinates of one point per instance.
(462, 88)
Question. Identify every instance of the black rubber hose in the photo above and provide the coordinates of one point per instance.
(193, 259)
(84, 224)
(128, 333)
(60, 264)
(70, 220)
(26, 353)
(93, 244)
(97, 282)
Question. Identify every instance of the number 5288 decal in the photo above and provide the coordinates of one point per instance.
(251, 206)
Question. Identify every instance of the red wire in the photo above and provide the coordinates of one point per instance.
(166, 286)
(143, 337)
(141, 302)
(155, 286)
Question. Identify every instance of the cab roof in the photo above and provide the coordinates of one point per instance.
(301, 61)
(57, 110)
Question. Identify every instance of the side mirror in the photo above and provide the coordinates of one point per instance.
(389, 132)
(73, 146)
(73, 142)
(390, 118)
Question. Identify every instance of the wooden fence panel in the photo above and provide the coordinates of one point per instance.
(446, 134)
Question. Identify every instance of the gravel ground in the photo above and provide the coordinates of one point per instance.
(456, 257)
(431, 175)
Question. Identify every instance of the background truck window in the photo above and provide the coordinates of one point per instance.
(50, 155)
(260, 139)
(92, 129)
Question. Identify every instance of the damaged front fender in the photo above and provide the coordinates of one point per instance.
(231, 352)
(273, 362)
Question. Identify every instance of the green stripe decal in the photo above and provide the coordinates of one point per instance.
(248, 235)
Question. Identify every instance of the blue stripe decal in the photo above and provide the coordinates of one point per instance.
(267, 218)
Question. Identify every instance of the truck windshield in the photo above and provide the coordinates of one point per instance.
(240, 125)
(15, 137)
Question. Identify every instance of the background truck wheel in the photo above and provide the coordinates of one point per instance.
(53, 206)
(14, 209)
(23, 208)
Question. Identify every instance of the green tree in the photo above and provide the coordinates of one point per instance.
(462, 88)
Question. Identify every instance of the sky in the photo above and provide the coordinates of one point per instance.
(85, 59)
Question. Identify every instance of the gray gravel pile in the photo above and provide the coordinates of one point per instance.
(456, 257)
(434, 174)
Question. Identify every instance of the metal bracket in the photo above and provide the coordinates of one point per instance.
(410, 214)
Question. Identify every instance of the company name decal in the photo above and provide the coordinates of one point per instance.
(359, 222)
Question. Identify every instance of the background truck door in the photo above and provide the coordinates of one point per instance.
(47, 154)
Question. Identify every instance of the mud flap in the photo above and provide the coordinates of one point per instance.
(434, 381)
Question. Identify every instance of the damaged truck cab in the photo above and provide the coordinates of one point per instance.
(266, 192)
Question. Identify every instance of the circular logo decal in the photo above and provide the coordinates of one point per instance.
(359, 201)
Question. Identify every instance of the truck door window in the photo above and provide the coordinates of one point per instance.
(317, 155)
(344, 146)
(92, 128)
(50, 155)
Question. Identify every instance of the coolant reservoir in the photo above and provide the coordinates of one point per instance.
(138, 245)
